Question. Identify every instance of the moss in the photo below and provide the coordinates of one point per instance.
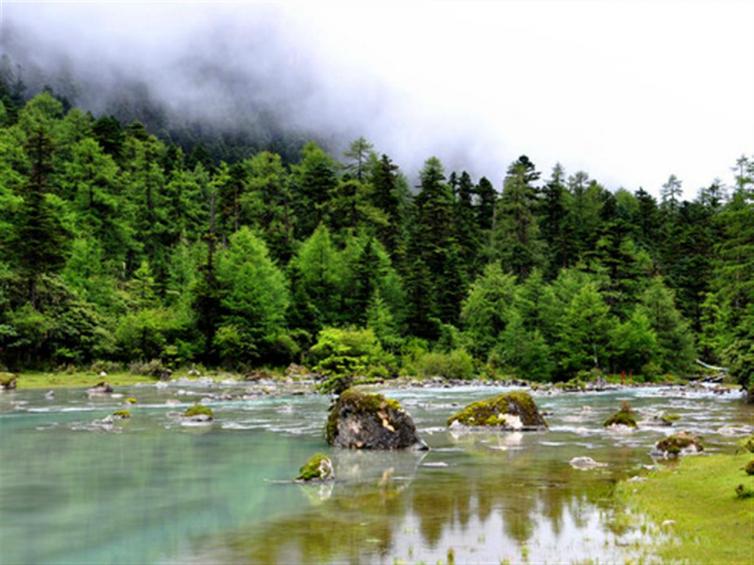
(314, 468)
(360, 402)
(673, 445)
(125, 414)
(668, 419)
(198, 410)
(747, 444)
(131, 400)
(623, 417)
(743, 492)
(749, 467)
(8, 381)
(491, 411)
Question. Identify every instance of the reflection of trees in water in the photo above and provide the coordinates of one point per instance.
(366, 517)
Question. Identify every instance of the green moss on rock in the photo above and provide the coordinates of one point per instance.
(677, 443)
(122, 414)
(199, 410)
(749, 467)
(8, 381)
(623, 417)
(318, 467)
(498, 410)
(131, 400)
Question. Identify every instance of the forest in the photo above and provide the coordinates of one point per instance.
(120, 247)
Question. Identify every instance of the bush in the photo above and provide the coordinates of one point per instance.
(458, 364)
(348, 352)
(153, 368)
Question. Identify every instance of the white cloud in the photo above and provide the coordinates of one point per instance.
(629, 91)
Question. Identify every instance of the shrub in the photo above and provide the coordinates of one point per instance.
(348, 352)
(458, 364)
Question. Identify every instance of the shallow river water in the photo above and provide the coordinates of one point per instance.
(153, 490)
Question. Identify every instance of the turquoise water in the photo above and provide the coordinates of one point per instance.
(150, 489)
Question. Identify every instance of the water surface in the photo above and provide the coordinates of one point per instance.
(73, 489)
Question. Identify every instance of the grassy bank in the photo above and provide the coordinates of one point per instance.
(711, 524)
(78, 379)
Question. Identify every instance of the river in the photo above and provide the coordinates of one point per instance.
(152, 490)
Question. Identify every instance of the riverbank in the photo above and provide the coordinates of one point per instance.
(696, 501)
(300, 377)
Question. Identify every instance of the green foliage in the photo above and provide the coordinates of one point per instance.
(199, 410)
(347, 352)
(456, 364)
(118, 246)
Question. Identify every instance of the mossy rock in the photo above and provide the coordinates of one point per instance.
(749, 467)
(747, 444)
(668, 419)
(363, 420)
(8, 381)
(678, 444)
(122, 414)
(511, 410)
(318, 468)
(199, 412)
(623, 417)
(131, 400)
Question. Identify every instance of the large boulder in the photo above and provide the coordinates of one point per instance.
(362, 420)
(515, 411)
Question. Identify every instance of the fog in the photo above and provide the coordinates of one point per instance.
(628, 91)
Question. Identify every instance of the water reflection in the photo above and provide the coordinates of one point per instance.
(160, 492)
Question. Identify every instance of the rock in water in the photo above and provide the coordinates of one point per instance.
(100, 388)
(362, 420)
(318, 468)
(514, 411)
(585, 463)
(625, 417)
(8, 381)
(681, 443)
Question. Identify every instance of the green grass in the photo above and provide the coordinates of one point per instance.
(83, 379)
(711, 525)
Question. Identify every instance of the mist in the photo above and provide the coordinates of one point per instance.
(629, 92)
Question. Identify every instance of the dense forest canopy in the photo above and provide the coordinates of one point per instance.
(117, 245)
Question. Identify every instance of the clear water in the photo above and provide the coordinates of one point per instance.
(153, 490)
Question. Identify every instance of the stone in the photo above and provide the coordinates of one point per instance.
(362, 420)
(624, 417)
(101, 387)
(319, 467)
(8, 381)
(678, 444)
(199, 413)
(514, 411)
(585, 463)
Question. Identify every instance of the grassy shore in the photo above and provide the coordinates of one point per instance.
(711, 525)
(78, 379)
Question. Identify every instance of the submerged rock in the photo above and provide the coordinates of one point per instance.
(585, 463)
(681, 443)
(362, 420)
(508, 411)
(318, 468)
(624, 417)
(101, 387)
(8, 381)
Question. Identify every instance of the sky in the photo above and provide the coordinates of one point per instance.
(629, 91)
